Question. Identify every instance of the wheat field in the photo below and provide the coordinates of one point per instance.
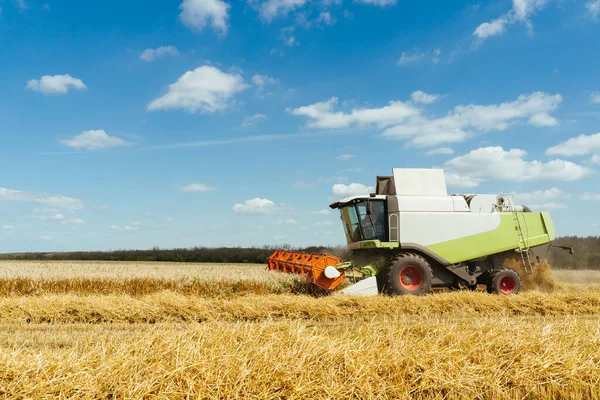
(162, 330)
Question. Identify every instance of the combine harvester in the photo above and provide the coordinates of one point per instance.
(411, 236)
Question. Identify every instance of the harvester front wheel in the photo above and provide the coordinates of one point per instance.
(408, 273)
(505, 281)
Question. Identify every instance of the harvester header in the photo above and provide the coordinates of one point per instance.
(411, 235)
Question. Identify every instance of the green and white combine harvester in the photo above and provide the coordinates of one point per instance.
(411, 236)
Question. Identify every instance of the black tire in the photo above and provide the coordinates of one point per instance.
(408, 273)
(504, 281)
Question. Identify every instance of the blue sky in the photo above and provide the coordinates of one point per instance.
(210, 122)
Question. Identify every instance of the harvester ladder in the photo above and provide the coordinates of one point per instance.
(523, 249)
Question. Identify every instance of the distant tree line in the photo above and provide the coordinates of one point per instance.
(587, 254)
(257, 255)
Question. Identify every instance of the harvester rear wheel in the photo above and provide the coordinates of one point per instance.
(408, 273)
(504, 281)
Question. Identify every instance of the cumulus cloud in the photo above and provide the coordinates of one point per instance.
(494, 163)
(197, 187)
(94, 140)
(52, 200)
(264, 80)
(406, 121)
(521, 11)
(250, 120)
(351, 190)
(322, 114)
(57, 84)
(381, 3)
(595, 96)
(152, 54)
(322, 212)
(420, 97)
(493, 28)
(285, 222)
(593, 8)
(273, 8)
(587, 196)
(198, 14)
(441, 150)
(407, 58)
(8, 227)
(577, 146)
(256, 206)
(50, 217)
(543, 199)
(346, 157)
(126, 228)
(206, 89)
(465, 121)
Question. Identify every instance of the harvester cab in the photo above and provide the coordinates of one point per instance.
(410, 236)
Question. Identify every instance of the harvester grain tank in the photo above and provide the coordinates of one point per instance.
(411, 236)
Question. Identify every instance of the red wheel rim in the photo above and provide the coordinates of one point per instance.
(507, 285)
(411, 278)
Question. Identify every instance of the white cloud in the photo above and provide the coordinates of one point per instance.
(457, 181)
(441, 150)
(543, 119)
(595, 159)
(326, 18)
(152, 54)
(197, 14)
(135, 223)
(281, 237)
(406, 58)
(323, 115)
(345, 157)
(543, 199)
(264, 80)
(405, 121)
(380, 3)
(420, 97)
(304, 185)
(351, 190)
(57, 84)
(22, 5)
(256, 206)
(465, 120)
(273, 8)
(94, 140)
(577, 146)
(595, 96)
(126, 228)
(541, 195)
(285, 222)
(8, 227)
(169, 219)
(45, 238)
(493, 28)
(250, 120)
(206, 89)
(590, 196)
(50, 217)
(593, 8)
(494, 163)
(197, 187)
(324, 223)
(76, 221)
(521, 11)
(322, 212)
(51, 200)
